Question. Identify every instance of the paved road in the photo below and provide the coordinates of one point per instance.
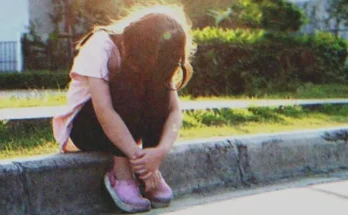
(47, 112)
(306, 196)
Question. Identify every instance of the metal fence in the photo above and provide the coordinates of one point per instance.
(8, 56)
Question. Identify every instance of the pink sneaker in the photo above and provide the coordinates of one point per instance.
(126, 194)
(161, 195)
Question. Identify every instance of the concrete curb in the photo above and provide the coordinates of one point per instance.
(72, 183)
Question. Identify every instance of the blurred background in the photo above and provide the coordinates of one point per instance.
(244, 46)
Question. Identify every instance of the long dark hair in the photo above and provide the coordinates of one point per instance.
(156, 40)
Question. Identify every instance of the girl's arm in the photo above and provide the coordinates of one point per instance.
(149, 159)
(112, 124)
(172, 125)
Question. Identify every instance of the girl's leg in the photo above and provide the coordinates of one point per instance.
(88, 135)
(123, 188)
(122, 168)
(162, 194)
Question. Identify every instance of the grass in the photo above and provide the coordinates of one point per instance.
(14, 102)
(33, 99)
(203, 124)
(307, 91)
(33, 140)
(38, 140)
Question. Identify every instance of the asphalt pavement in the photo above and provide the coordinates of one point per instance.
(307, 196)
(48, 112)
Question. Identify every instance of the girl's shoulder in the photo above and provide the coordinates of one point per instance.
(99, 39)
(93, 57)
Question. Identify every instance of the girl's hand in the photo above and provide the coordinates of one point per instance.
(152, 181)
(147, 162)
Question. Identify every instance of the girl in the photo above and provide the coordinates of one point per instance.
(123, 93)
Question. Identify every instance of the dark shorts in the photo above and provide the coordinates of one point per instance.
(88, 135)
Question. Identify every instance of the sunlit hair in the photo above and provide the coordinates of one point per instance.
(156, 39)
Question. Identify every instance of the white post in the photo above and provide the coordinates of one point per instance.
(19, 53)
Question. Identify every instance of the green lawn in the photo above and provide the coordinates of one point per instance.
(306, 91)
(38, 140)
(34, 101)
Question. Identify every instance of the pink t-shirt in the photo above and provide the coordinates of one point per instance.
(91, 61)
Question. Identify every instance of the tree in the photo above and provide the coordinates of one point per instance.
(280, 15)
(72, 19)
(338, 14)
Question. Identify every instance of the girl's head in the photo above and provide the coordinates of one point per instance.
(156, 43)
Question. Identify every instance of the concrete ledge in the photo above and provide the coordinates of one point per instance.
(197, 167)
(12, 197)
(68, 183)
(265, 159)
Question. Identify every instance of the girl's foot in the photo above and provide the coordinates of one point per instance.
(160, 195)
(126, 194)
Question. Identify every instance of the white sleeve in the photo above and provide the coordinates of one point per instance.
(92, 59)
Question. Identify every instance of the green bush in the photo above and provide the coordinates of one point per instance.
(34, 80)
(238, 61)
(330, 52)
(255, 61)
